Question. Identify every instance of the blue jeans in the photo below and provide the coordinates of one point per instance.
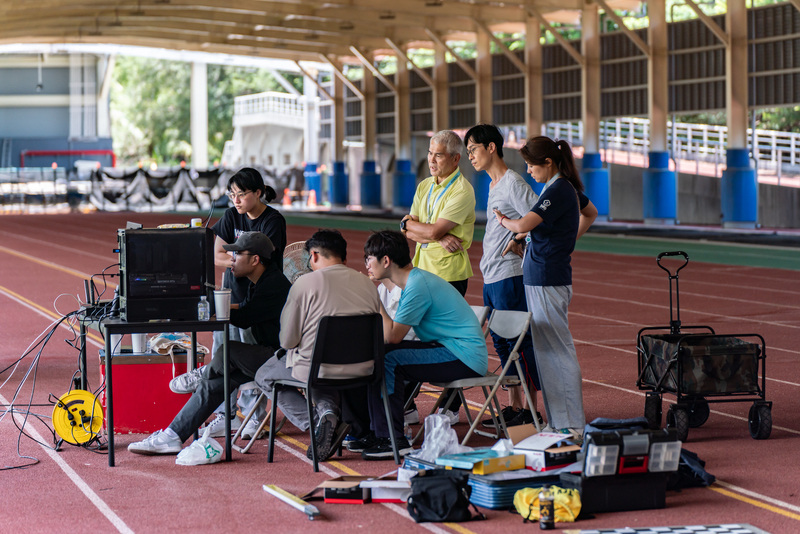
(436, 364)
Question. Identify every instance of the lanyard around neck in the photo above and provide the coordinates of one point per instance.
(432, 207)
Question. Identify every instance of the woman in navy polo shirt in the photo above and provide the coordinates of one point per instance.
(554, 224)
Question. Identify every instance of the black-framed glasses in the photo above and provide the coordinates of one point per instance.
(235, 253)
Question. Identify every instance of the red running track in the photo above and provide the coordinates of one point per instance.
(44, 260)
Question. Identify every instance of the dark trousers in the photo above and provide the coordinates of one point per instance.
(355, 411)
(244, 361)
(509, 294)
(425, 372)
(461, 286)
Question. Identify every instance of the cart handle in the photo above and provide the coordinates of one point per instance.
(675, 253)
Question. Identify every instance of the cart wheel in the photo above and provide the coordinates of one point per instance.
(698, 412)
(652, 410)
(760, 421)
(678, 418)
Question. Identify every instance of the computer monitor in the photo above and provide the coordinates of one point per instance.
(164, 272)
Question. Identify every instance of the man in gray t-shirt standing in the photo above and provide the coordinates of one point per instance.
(502, 272)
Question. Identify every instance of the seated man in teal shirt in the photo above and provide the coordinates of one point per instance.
(451, 345)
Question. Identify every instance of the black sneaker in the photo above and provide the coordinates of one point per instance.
(360, 445)
(509, 413)
(324, 437)
(383, 449)
(523, 417)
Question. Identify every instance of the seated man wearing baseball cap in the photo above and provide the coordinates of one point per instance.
(261, 312)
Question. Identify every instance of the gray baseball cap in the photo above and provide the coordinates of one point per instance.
(254, 242)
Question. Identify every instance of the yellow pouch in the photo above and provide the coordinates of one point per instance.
(567, 504)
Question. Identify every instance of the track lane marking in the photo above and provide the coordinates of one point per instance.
(76, 479)
(758, 496)
(52, 265)
(683, 293)
(52, 245)
(754, 502)
(331, 473)
(44, 312)
(711, 314)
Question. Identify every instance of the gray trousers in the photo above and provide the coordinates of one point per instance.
(245, 398)
(245, 360)
(556, 360)
(290, 401)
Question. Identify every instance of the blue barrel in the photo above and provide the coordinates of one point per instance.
(370, 186)
(659, 191)
(739, 190)
(340, 192)
(405, 184)
(595, 180)
(481, 182)
(313, 180)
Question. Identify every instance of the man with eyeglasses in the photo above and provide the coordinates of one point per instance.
(442, 220)
(260, 311)
(331, 288)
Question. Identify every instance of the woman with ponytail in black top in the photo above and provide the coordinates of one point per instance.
(554, 223)
(250, 213)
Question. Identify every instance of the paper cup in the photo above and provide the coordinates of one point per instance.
(139, 343)
(197, 223)
(116, 343)
(222, 304)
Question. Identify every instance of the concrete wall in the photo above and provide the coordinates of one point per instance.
(34, 122)
(23, 81)
(778, 206)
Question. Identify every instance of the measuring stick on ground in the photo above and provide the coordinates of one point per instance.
(309, 509)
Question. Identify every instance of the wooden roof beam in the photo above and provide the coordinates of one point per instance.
(461, 63)
(627, 31)
(404, 57)
(345, 80)
(375, 72)
(512, 57)
(559, 38)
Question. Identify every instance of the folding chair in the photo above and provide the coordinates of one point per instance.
(510, 325)
(341, 340)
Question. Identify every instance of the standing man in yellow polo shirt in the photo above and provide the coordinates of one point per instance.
(442, 221)
(442, 218)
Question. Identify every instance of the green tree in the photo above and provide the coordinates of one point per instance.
(150, 107)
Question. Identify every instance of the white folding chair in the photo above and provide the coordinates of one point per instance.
(510, 325)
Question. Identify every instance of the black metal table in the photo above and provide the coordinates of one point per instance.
(118, 326)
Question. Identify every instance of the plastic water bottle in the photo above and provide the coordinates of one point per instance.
(407, 432)
(203, 309)
(546, 509)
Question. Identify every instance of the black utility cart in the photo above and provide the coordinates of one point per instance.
(700, 367)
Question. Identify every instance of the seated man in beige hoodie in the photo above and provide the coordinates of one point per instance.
(331, 289)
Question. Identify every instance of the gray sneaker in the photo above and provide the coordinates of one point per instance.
(187, 382)
(250, 429)
(157, 443)
(218, 426)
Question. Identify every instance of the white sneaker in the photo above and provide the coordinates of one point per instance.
(187, 382)
(453, 416)
(411, 417)
(250, 429)
(157, 443)
(218, 426)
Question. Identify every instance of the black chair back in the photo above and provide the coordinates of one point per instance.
(348, 339)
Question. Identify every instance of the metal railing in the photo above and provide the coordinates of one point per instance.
(775, 151)
(269, 102)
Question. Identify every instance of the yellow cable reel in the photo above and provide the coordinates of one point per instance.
(77, 416)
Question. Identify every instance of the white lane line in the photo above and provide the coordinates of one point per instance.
(758, 496)
(49, 317)
(51, 245)
(331, 473)
(99, 503)
(684, 293)
(685, 310)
